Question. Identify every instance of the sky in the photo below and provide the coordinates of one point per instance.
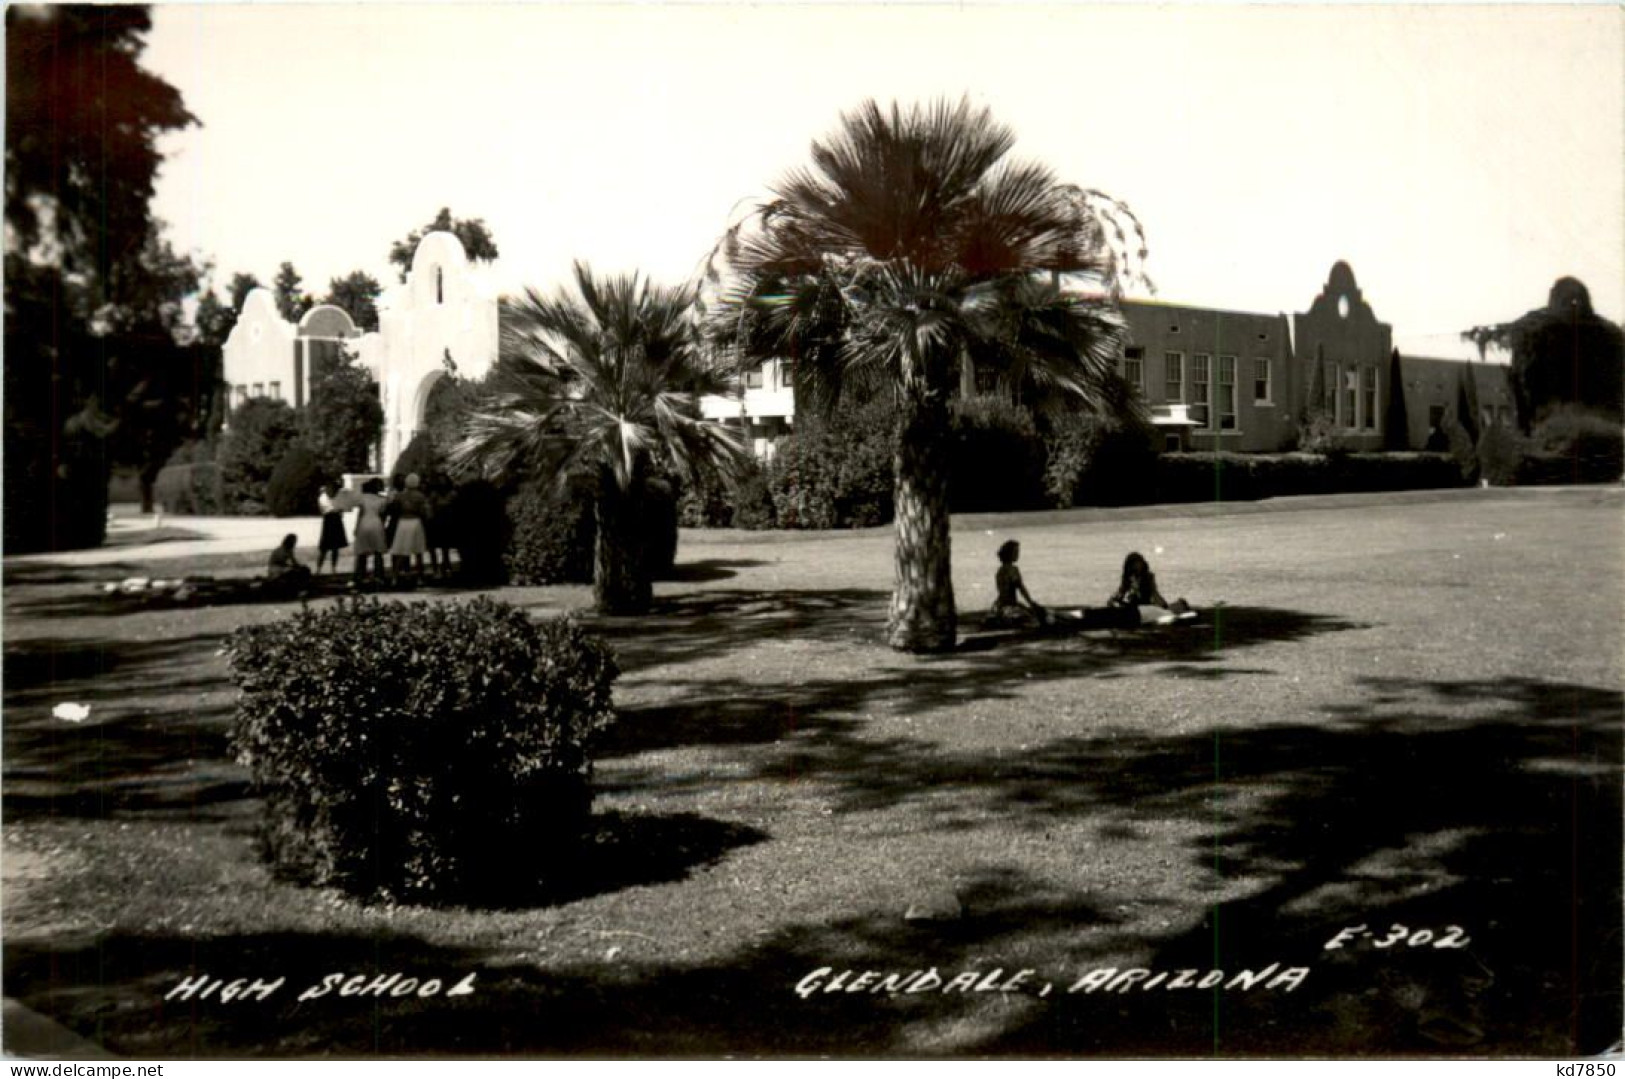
(1459, 158)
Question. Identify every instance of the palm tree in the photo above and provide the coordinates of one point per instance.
(910, 249)
(603, 384)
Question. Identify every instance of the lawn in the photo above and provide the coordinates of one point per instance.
(1406, 712)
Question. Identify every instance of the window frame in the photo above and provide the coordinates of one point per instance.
(1267, 379)
(1173, 377)
(1225, 410)
(1201, 384)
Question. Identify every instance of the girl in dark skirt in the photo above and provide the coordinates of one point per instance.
(333, 539)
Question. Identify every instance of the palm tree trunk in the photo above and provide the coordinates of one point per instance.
(922, 608)
(620, 580)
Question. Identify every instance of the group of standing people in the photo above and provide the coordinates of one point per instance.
(400, 524)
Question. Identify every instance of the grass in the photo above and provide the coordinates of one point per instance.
(1407, 711)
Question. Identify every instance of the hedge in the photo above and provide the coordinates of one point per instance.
(421, 751)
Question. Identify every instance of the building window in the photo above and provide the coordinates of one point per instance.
(1199, 388)
(1368, 394)
(1174, 380)
(276, 390)
(439, 285)
(753, 379)
(1435, 417)
(1227, 393)
(241, 394)
(1350, 397)
(787, 379)
(1261, 380)
(1328, 389)
(259, 389)
(1134, 367)
(1174, 328)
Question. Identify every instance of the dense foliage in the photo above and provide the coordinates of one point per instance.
(996, 457)
(831, 473)
(421, 751)
(94, 370)
(1099, 460)
(909, 247)
(295, 483)
(602, 383)
(262, 431)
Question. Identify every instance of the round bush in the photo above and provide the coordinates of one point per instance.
(995, 459)
(1099, 461)
(834, 474)
(295, 484)
(1591, 446)
(552, 534)
(421, 751)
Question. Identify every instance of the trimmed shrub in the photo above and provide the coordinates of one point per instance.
(1500, 455)
(995, 458)
(261, 431)
(418, 456)
(295, 484)
(188, 488)
(705, 506)
(474, 521)
(752, 505)
(421, 751)
(551, 533)
(1463, 450)
(1241, 477)
(1099, 461)
(1590, 447)
(660, 527)
(835, 473)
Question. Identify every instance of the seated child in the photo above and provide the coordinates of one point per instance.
(1009, 612)
(283, 572)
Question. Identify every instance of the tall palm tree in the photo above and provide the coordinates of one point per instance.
(605, 384)
(910, 249)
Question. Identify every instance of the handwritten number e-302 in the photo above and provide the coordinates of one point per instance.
(1452, 936)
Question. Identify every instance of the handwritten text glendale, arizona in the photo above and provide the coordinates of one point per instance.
(1103, 979)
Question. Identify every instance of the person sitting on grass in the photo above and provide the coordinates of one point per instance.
(1137, 591)
(1009, 612)
(283, 572)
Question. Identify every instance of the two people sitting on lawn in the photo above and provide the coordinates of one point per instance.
(1136, 602)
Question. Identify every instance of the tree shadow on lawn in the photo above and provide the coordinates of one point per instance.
(739, 711)
(707, 570)
(1493, 806)
(712, 623)
(155, 741)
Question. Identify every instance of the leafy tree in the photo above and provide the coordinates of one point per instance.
(1562, 354)
(291, 302)
(357, 293)
(475, 237)
(262, 431)
(1467, 402)
(910, 249)
(603, 385)
(1396, 424)
(241, 285)
(344, 419)
(213, 319)
(83, 120)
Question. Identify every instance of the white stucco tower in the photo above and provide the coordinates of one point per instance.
(444, 310)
